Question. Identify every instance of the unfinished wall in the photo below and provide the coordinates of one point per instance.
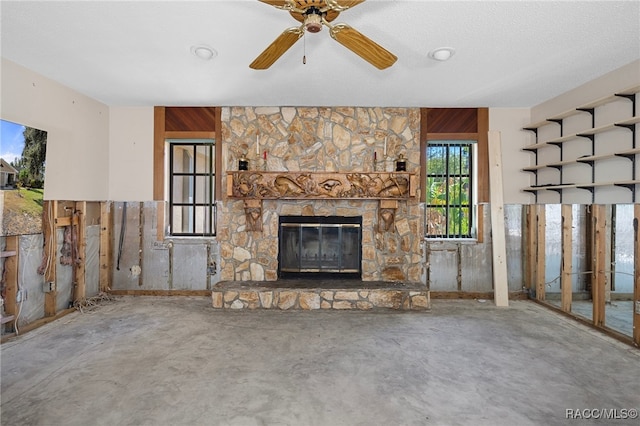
(29, 307)
(581, 260)
(141, 262)
(466, 266)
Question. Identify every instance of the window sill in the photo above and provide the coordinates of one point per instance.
(451, 240)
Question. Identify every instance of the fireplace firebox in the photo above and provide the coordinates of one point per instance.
(320, 246)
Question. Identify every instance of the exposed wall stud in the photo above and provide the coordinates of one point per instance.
(49, 214)
(566, 269)
(79, 214)
(11, 276)
(540, 251)
(106, 233)
(636, 275)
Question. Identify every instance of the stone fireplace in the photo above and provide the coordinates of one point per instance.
(320, 247)
(304, 162)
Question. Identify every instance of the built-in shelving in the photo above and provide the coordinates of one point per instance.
(587, 135)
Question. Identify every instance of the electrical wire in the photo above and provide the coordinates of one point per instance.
(548, 283)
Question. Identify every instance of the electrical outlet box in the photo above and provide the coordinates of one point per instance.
(21, 296)
(48, 287)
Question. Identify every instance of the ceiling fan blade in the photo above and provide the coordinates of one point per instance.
(277, 48)
(275, 3)
(344, 4)
(362, 46)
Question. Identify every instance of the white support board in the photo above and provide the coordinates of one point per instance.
(500, 280)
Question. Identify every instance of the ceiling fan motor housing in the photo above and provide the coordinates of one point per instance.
(313, 20)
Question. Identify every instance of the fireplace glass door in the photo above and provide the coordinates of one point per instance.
(307, 248)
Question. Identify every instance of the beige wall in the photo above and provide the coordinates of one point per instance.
(509, 122)
(619, 79)
(131, 154)
(97, 152)
(77, 132)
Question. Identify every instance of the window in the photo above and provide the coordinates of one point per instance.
(191, 187)
(449, 189)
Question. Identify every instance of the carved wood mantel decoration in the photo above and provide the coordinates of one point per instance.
(255, 186)
(320, 185)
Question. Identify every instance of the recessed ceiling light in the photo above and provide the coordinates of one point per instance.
(204, 52)
(442, 53)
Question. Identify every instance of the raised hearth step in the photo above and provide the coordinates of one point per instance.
(304, 295)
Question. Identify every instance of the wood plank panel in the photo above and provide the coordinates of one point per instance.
(189, 135)
(498, 241)
(190, 119)
(566, 268)
(598, 281)
(452, 120)
(218, 152)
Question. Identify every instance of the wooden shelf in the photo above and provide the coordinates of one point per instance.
(624, 183)
(535, 147)
(594, 131)
(629, 94)
(550, 187)
(559, 164)
(555, 165)
(592, 158)
(534, 168)
(629, 122)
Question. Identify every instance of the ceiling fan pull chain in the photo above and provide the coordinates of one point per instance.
(304, 48)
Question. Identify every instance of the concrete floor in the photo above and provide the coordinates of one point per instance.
(618, 314)
(176, 361)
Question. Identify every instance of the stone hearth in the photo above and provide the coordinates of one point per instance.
(320, 295)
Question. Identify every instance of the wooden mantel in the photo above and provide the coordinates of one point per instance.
(267, 185)
(254, 186)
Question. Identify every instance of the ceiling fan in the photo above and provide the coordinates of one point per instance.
(314, 14)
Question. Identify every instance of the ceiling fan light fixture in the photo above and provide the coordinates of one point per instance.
(442, 53)
(313, 23)
(203, 52)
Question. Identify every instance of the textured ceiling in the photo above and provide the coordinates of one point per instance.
(137, 53)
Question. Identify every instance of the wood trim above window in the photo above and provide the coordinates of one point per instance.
(483, 155)
(158, 153)
(185, 123)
